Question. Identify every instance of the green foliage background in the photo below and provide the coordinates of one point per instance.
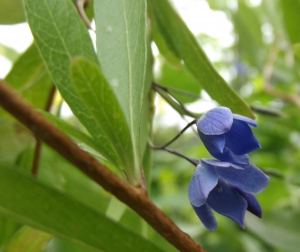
(63, 210)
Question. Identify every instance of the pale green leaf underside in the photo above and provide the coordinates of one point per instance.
(122, 53)
(60, 34)
(179, 37)
(32, 203)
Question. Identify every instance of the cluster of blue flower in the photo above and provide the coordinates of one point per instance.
(227, 184)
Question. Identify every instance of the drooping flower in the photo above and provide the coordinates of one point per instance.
(226, 188)
(227, 137)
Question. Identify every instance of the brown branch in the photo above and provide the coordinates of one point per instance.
(38, 144)
(135, 198)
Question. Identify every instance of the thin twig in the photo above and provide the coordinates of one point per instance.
(133, 197)
(191, 160)
(80, 5)
(157, 88)
(179, 134)
(38, 144)
(175, 90)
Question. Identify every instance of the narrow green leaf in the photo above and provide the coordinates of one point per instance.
(98, 96)
(70, 130)
(181, 80)
(164, 48)
(60, 34)
(11, 12)
(122, 53)
(291, 19)
(296, 49)
(8, 228)
(279, 229)
(30, 78)
(247, 25)
(179, 36)
(8, 52)
(28, 239)
(34, 204)
(115, 209)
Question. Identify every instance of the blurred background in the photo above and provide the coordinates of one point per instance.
(255, 46)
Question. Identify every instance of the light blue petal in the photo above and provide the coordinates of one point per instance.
(245, 119)
(225, 200)
(203, 181)
(240, 139)
(253, 205)
(250, 180)
(206, 216)
(216, 121)
(194, 193)
(221, 163)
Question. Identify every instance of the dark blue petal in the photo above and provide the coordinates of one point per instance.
(206, 216)
(203, 181)
(240, 139)
(251, 179)
(245, 119)
(253, 205)
(214, 144)
(225, 200)
(216, 121)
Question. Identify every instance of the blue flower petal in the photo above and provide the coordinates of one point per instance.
(203, 181)
(221, 163)
(216, 121)
(194, 192)
(240, 139)
(225, 200)
(206, 216)
(253, 205)
(250, 180)
(214, 144)
(245, 119)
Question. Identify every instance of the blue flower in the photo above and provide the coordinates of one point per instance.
(227, 137)
(226, 188)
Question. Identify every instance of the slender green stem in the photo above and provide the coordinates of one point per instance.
(180, 133)
(191, 160)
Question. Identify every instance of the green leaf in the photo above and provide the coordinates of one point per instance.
(164, 48)
(98, 96)
(8, 228)
(296, 48)
(179, 36)
(30, 78)
(28, 239)
(34, 204)
(248, 28)
(70, 130)
(14, 139)
(11, 12)
(291, 19)
(122, 53)
(115, 209)
(279, 229)
(8, 52)
(60, 34)
(181, 81)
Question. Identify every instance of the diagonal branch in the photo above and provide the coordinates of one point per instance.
(135, 198)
